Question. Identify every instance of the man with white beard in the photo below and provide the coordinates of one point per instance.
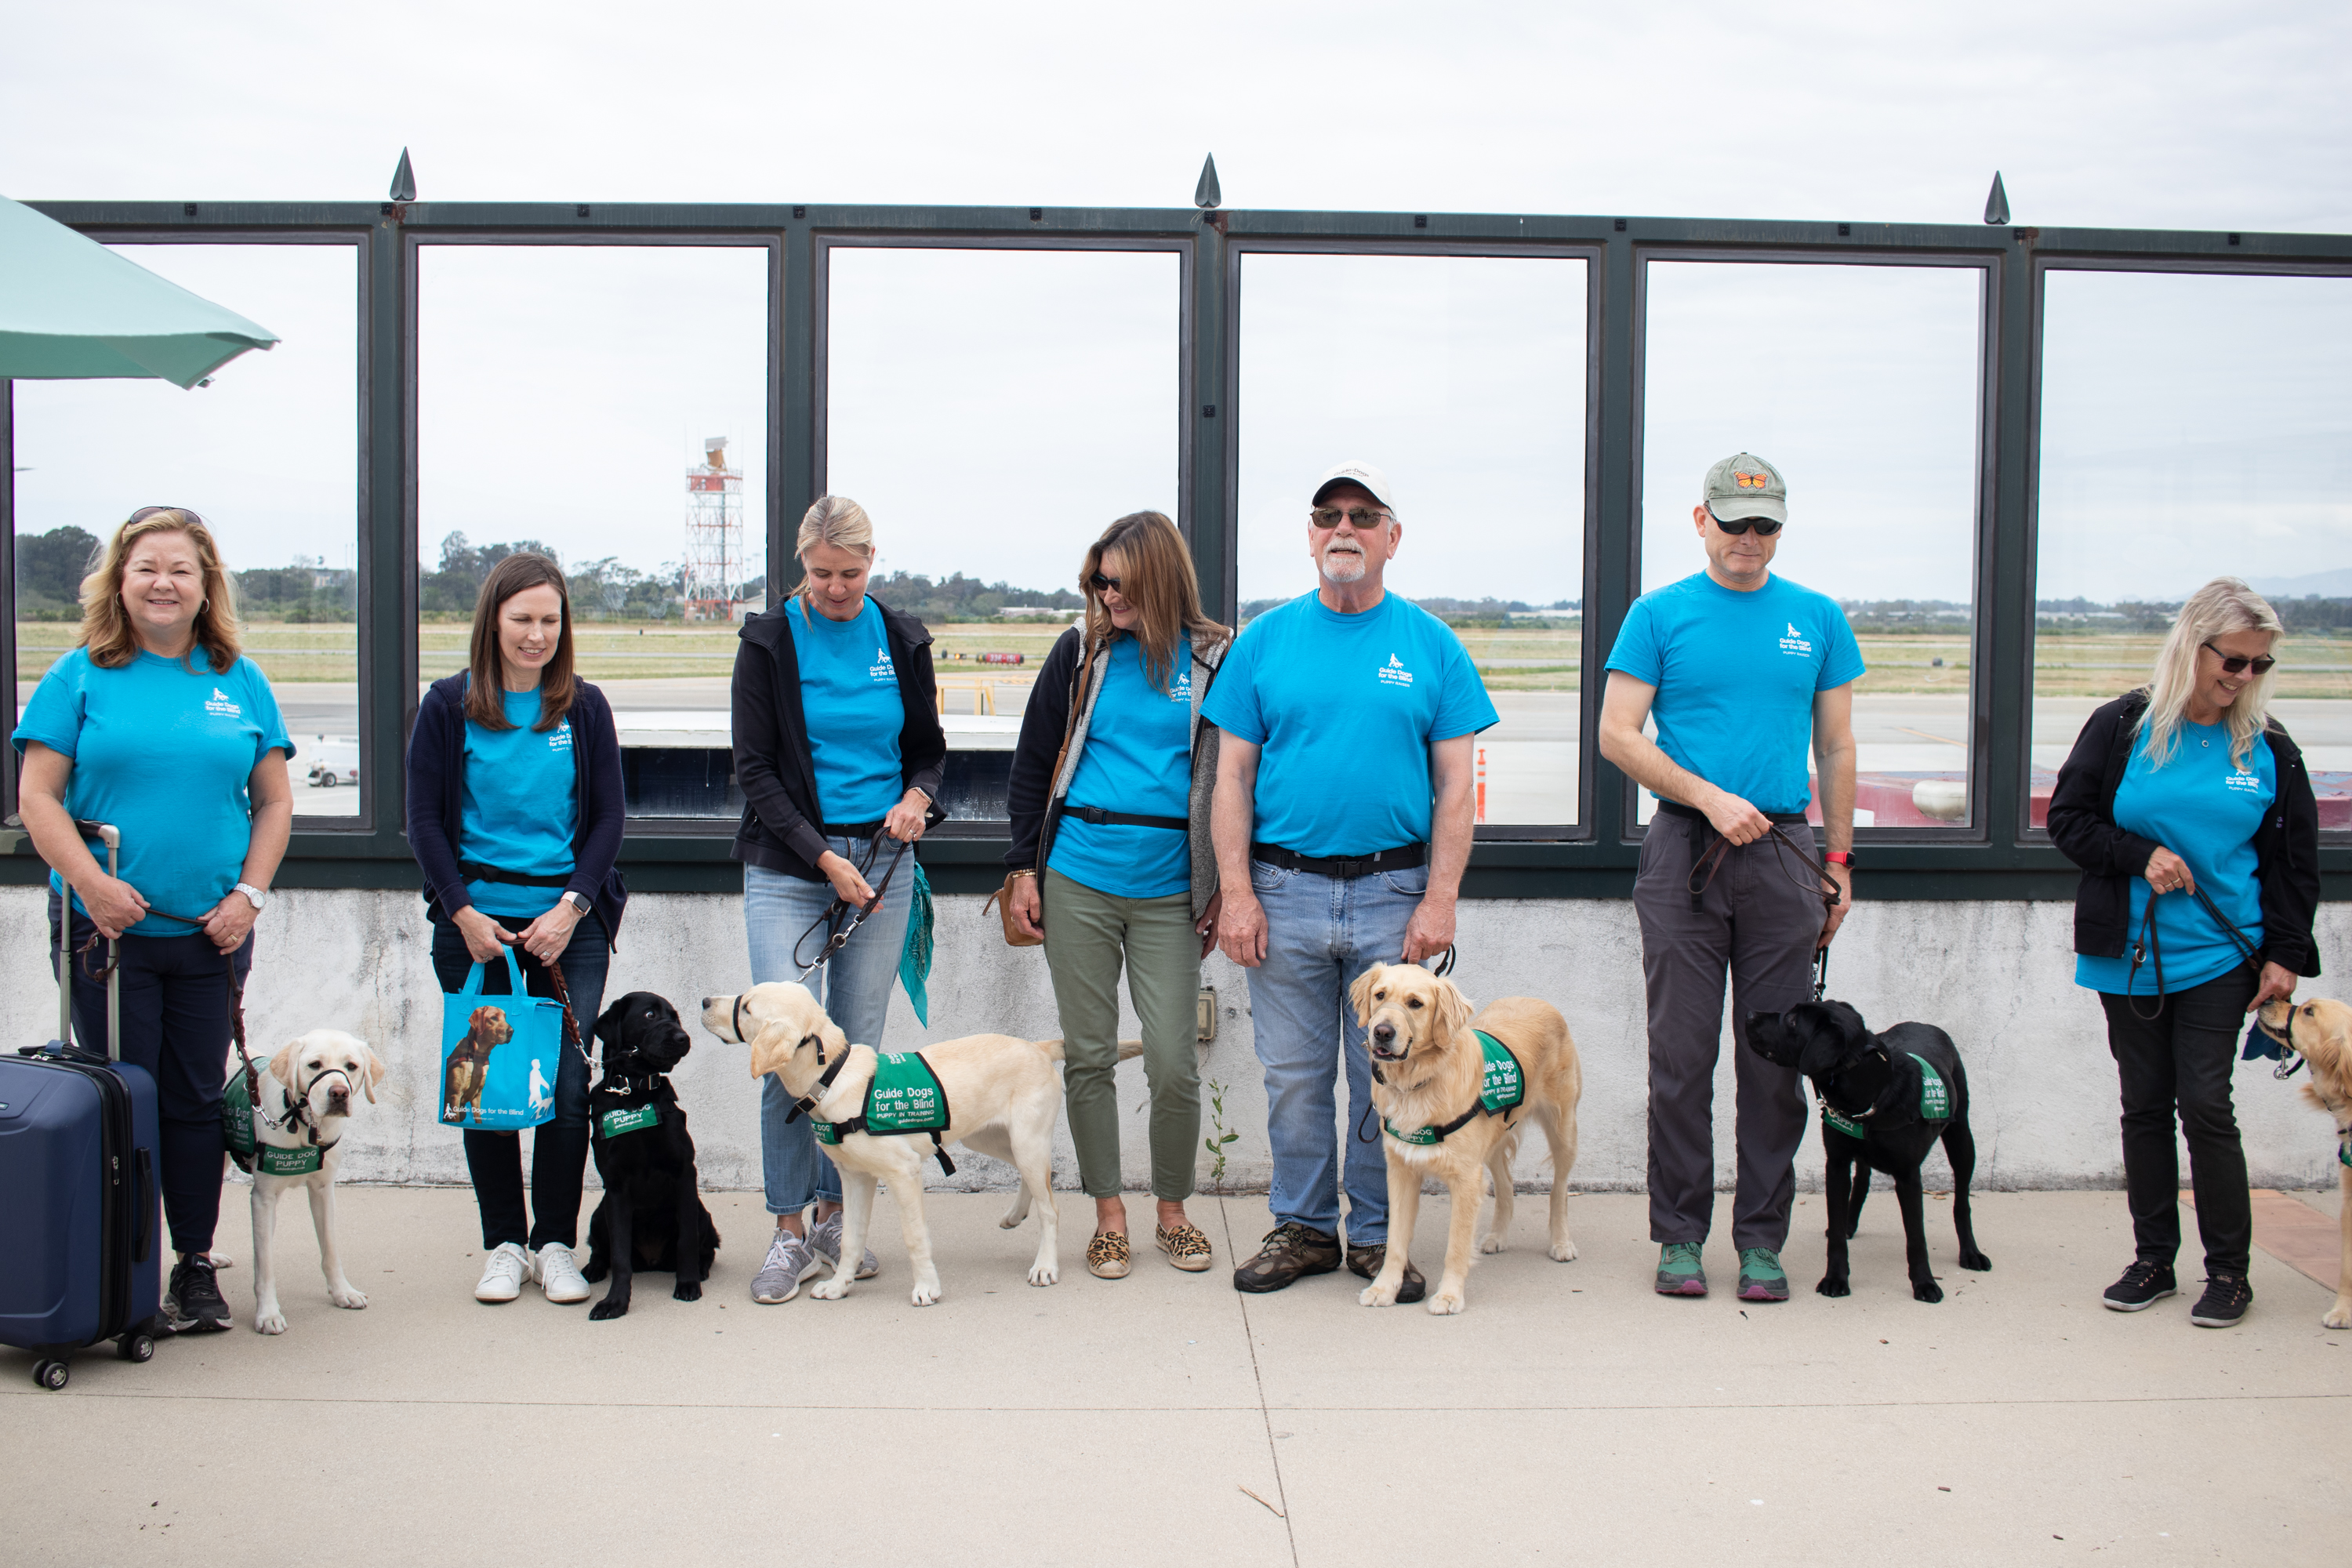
(1342, 821)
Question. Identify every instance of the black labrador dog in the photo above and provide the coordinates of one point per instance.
(652, 1214)
(1886, 1100)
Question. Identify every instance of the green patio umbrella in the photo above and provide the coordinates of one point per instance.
(70, 308)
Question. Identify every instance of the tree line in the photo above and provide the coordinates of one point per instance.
(51, 565)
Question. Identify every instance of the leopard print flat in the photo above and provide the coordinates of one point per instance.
(1106, 1255)
(1186, 1248)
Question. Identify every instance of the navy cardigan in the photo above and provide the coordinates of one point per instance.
(436, 795)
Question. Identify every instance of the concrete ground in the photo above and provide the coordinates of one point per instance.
(1569, 1414)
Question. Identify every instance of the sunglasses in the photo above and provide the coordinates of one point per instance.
(1764, 526)
(2235, 665)
(1327, 517)
(1102, 585)
(145, 513)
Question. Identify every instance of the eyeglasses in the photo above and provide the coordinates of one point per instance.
(145, 513)
(1102, 585)
(1764, 526)
(1359, 518)
(2235, 665)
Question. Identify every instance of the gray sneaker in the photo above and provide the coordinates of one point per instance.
(791, 1259)
(826, 1239)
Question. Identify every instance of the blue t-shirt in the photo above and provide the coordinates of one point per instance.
(162, 748)
(1138, 759)
(522, 808)
(1345, 708)
(1736, 675)
(2204, 808)
(850, 703)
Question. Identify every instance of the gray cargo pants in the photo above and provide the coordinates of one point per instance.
(1757, 919)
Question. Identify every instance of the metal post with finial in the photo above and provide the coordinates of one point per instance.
(1206, 196)
(1996, 202)
(404, 180)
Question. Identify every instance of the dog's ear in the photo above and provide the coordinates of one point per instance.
(1452, 1009)
(773, 1045)
(608, 1023)
(1770, 1037)
(372, 1073)
(281, 1066)
(1360, 994)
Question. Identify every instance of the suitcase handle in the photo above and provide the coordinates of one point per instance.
(144, 1240)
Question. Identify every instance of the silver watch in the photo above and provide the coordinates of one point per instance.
(579, 904)
(255, 896)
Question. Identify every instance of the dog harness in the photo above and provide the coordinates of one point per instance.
(272, 1159)
(1935, 1102)
(904, 1098)
(1502, 1088)
(624, 1119)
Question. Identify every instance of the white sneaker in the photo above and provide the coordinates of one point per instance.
(503, 1273)
(557, 1275)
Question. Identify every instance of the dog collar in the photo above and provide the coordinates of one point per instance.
(806, 1104)
(736, 1021)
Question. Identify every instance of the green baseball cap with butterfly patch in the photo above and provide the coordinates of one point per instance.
(1745, 486)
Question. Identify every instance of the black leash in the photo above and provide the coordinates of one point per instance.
(1717, 855)
(838, 940)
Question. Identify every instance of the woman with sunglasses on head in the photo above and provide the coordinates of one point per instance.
(2191, 815)
(1111, 860)
(515, 817)
(157, 724)
(838, 751)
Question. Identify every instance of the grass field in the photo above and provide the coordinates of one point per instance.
(2066, 664)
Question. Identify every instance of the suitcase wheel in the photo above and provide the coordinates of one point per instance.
(51, 1374)
(135, 1347)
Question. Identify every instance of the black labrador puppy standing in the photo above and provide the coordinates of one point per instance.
(652, 1214)
(1886, 1100)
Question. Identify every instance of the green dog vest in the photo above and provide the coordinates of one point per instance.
(621, 1119)
(1934, 1101)
(236, 1132)
(904, 1097)
(1502, 1088)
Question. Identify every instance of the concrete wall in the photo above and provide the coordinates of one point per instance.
(1999, 976)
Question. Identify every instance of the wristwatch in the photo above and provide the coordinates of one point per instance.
(255, 896)
(1840, 857)
(572, 896)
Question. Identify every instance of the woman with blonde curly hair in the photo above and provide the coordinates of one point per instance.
(2192, 816)
(157, 723)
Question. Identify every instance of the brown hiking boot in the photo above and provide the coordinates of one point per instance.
(1289, 1253)
(1367, 1261)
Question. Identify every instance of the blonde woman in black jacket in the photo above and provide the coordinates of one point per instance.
(2192, 816)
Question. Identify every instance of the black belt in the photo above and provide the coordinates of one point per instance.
(1693, 813)
(475, 871)
(850, 829)
(1344, 866)
(1095, 817)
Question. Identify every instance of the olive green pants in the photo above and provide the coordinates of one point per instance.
(1086, 934)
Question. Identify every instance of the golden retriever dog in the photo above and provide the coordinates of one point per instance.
(469, 1063)
(1003, 1094)
(308, 1088)
(2322, 1031)
(1428, 1074)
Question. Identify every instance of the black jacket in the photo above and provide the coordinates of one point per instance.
(782, 819)
(436, 801)
(2083, 826)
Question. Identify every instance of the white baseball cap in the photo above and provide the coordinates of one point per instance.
(1362, 474)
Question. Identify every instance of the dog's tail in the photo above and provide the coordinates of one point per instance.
(1127, 1049)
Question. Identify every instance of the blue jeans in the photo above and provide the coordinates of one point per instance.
(1322, 932)
(854, 990)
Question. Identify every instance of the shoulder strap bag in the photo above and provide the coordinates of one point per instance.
(1001, 900)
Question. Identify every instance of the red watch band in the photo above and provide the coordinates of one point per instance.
(1840, 857)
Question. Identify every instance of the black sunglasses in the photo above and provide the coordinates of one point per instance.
(1102, 585)
(1764, 526)
(2262, 666)
(145, 513)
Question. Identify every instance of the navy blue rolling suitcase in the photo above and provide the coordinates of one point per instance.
(82, 1224)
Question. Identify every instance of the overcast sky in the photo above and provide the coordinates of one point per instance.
(541, 419)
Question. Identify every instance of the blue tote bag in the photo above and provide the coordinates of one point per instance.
(499, 1055)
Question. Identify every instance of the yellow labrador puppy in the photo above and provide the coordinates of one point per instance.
(1453, 1108)
(1002, 1093)
(2322, 1031)
(307, 1093)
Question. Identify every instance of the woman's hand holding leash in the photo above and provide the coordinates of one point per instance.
(546, 938)
(2278, 986)
(2168, 872)
(230, 922)
(848, 886)
(485, 938)
(905, 821)
(114, 906)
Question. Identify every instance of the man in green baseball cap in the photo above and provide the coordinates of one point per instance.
(1742, 671)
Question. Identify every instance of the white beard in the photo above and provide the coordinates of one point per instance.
(1342, 565)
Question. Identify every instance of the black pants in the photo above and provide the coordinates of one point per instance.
(175, 994)
(2181, 1062)
(559, 1149)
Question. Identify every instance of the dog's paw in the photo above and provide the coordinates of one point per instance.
(272, 1322)
(345, 1297)
(1377, 1295)
(687, 1290)
(1976, 1260)
(1833, 1286)
(1044, 1273)
(1012, 1218)
(1444, 1304)
(607, 1310)
(1926, 1290)
(1491, 1242)
(2339, 1315)
(221, 1260)
(1564, 1251)
(832, 1287)
(926, 1293)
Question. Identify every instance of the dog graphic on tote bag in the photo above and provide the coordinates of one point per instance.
(468, 1068)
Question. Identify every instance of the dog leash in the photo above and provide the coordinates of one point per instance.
(2149, 949)
(1717, 855)
(840, 939)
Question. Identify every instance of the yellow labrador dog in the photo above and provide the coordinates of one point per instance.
(1454, 1109)
(1002, 1093)
(2322, 1031)
(308, 1090)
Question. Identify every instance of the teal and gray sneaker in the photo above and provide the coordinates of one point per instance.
(1761, 1278)
(1679, 1273)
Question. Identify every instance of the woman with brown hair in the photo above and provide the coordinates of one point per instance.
(157, 724)
(514, 812)
(1118, 701)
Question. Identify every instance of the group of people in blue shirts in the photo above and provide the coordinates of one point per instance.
(1298, 796)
